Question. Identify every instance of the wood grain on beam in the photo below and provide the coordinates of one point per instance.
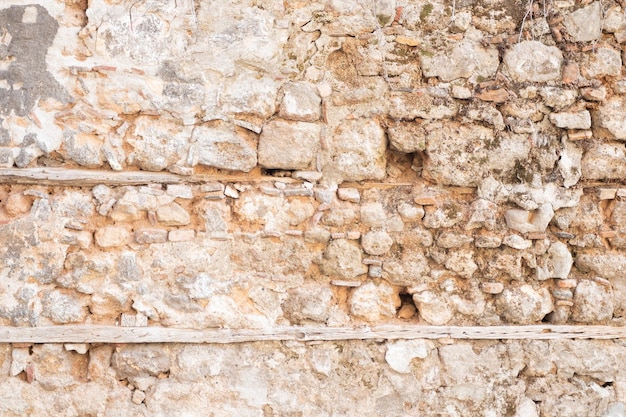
(115, 334)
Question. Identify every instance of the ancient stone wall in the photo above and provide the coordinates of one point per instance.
(251, 164)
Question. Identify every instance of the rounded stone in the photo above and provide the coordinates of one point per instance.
(376, 242)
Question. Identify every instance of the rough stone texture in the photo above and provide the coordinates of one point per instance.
(288, 145)
(338, 163)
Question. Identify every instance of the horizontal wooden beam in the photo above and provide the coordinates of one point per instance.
(155, 334)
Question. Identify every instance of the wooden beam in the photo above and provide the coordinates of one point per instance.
(116, 334)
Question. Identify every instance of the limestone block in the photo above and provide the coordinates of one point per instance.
(147, 236)
(407, 137)
(593, 302)
(529, 221)
(223, 147)
(524, 305)
(533, 61)
(373, 214)
(580, 120)
(358, 151)
(158, 143)
(401, 353)
(609, 120)
(376, 242)
(111, 236)
(408, 270)
(462, 155)
(468, 59)
(373, 301)
(602, 62)
(420, 104)
(140, 360)
(308, 302)
(434, 308)
(172, 215)
(342, 259)
(585, 24)
(289, 145)
(604, 161)
(62, 308)
(558, 98)
(300, 102)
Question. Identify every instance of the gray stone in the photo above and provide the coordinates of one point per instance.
(468, 59)
(410, 269)
(62, 308)
(558, 98)
(463, 155)
(420, 104)
(593, 302)
(533, 61)
(376, 242)
(462, 263)
(580, 120)
(223, 147)
(342, 259)
(172, 215)
(483, 214)
(524, 305)
(309, 302)
(159, 143)
(604, 161)
(288, 145)
(134, 361)
(373, 301)
(603, 62)
(300, 102)
(585, 24)
(450, 240)
(407, 137)
(609, 120)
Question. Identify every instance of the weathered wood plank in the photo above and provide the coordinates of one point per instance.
(115, 334)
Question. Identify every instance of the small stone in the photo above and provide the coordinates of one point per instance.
(223, 147)
(450, 240)
(604, 62)
(405, 40)
(308, 302)
(349, 194)
(181, 235)
(111, 236)
(324, 90)
(180, 191)
(147, 236)
(462, 262)
(524, 305)
(376, 242)
(373, 214)
(230, 191)
(410, 212)
(571, 73)
(317, 235)
(594, 94)
(138, 397)
(433, 308)
(487, 242)
(610, 119)
(517, 242)
(558, 98)
(499, 95)
(401, 353)
(406, 311)
(567, 283)
(344, 283)
(492, 287)
(407, 137)
(580, 120)
(592, 302)
(342, 259)
(173, 215)
(375, 271)
(311, 176)
(80, 348)
(605, 161)
(300, 102)
(17, 204)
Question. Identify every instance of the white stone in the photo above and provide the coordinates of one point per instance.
(300, 102)
(604, 161)
(526, 408)
(342, 259)
(533, 61)
(401, 353)
(602, 62)
(524, 305)
(288, 145)
(462, 262)
(610, 119)
(373, 214)
(406, 137)
(585, 24)
(112, 236)
(223, 147)
(529, 221)
(349, 194)
(433, 308)
(410, 212)
(580, 120)
(180, 191)
(376, 242)
(373, 301)
(593, 302)
(570, 163)
(517, 242)
(173, 215)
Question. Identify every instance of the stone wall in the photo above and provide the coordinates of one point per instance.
(333, 163)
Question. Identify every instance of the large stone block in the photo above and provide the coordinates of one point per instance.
(223, 147)
(533, 61)
(289, 145)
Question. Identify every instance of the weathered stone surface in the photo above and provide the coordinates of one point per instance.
(376, 242)
(288, 145)
(580, 120)
(529, 221)
(300, 102)
(462, 155)
(604, 161)
(372, 301)
(585, 24)
(160, 143)
(342, 259)
(310, 302)
(172, 215)
(407, 137)
(533, 61)
(401, 353)
(433, 308)
(112, 236)
(524, 305)
(603, 62)
(357, 151)
(609, 121)
(140, 360)
(223, 147)
(593, 302)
